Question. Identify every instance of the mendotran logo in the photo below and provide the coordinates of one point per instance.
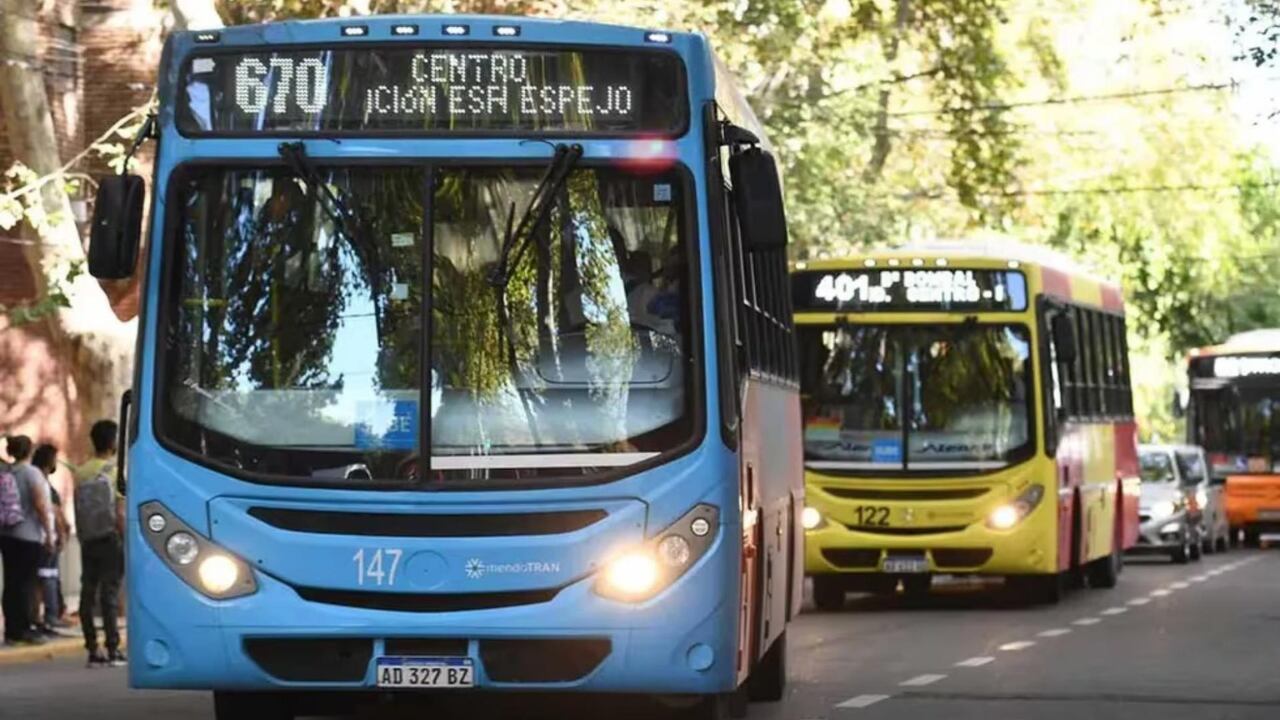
(477, 568)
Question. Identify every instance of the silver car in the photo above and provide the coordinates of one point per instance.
(1180, 512)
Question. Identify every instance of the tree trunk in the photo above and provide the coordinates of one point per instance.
(883, 143)
(195, 15)
(68, 370)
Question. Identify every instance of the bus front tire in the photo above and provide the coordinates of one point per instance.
(244, 705)
(768, 682)
(828, 593)
(1252, 538)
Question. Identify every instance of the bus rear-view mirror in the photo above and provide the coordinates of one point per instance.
(116, 233)
(1064, 339)
(757, 193)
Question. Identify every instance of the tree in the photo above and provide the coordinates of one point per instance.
(83, 336)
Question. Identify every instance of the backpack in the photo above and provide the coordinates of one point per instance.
(95, 504)
(10, 500)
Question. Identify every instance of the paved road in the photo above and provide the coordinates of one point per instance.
(1189, 642)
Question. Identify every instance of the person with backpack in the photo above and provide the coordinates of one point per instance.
(99, 509)
(45, 459)
(26, 531)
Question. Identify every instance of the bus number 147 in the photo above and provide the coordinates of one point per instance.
(373, 569)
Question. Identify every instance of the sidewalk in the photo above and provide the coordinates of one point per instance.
(70, 645)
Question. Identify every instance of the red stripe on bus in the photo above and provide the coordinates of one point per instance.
(1112, 298)
(1055, 282)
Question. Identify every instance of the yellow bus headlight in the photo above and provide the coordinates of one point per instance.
(1006, 516)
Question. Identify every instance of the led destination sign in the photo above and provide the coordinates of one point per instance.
(875, 290)
(458, 89)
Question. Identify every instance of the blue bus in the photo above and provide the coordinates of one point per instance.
(570, 238)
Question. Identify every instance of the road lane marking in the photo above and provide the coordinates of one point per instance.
(920, 680)
(862, 701)
(1160, 593)
(1115, 611)
(1139, 601)
(1017, 645)
(1053, 632)
(1087, 621)
(1199, 579)
(1180, 585)
(975, 661)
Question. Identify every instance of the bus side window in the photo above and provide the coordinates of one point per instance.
(1126, 382)
(1058, 389)
(1108, 364)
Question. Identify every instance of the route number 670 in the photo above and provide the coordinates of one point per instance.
(377, 566)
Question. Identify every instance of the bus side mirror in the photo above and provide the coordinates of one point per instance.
(757, 193)
(116, 233)
(1064, 339)
(1179, 403)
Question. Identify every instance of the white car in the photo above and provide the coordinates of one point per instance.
(1180, 511)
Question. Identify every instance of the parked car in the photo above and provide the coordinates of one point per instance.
(1172, 508)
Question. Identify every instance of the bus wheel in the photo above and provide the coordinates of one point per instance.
(243, 705)
(1104, 572)
(768, 682)
(828, 593)
(1251, 538)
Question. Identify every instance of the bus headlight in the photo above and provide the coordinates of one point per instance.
(1005, 516)
(632, 574)
(638, 574)
(200, 562)
(218, 574)
(811, 518)
(182, 548)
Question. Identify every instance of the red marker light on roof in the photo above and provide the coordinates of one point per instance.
(649, 155)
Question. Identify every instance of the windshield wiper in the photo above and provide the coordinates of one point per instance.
(515, 242)
(549, 185)
(295, 158)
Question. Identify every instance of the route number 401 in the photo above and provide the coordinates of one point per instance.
(377, 566)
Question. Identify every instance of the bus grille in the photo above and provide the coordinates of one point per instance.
(427, 525)
(311, 659)
(427, 602)
(852, 557)
(916, 494)
(542, 660)
(960, 557)
(906, 531)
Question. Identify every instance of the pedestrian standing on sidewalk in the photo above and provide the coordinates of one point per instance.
(45, 459)
(100, 524)
(26, 530)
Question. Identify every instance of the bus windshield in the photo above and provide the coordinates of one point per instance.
(294, 344)
(1239, 428)
(915, 398)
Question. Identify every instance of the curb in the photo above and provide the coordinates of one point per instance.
(63, 647)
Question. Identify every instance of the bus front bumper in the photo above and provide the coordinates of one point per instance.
(682, 641)
(974, 550)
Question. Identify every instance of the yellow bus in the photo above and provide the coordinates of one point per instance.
(967, 411)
